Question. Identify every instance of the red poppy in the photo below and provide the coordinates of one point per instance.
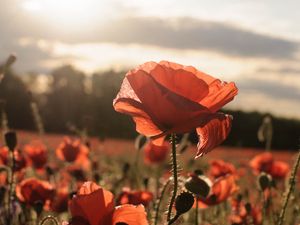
(72, 150)
(166, 98)
(20, 161)
(222, 189)
(154, 154)
(94, 205)
(32, 190)
(128, 196)
(265, 163)
(37, 154)
(219, 168)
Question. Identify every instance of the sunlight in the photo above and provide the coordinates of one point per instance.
(67, 13)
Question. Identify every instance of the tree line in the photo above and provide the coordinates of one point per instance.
(74, 100)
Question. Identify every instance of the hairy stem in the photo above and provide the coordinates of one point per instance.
(175, 176)
(160, 200)
(289, 190)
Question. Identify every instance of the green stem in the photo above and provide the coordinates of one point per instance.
(290, 189)
(196, 212)
(173, 219)
(160, 200)
(175, 176)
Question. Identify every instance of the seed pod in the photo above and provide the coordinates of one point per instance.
(199, 185)
(264, 181)
(11, 140)
(184, 202)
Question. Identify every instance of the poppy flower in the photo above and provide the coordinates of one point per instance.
(128, 196)
(222, 188)
(94, 205)
(72, 150)
(166, 98)
(37, 154)
(265, 163)
(20, 161)
(219, 168)
(154, 154)
(32, 190)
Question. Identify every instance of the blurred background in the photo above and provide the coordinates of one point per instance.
(73, 54)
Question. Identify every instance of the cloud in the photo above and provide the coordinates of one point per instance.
(272, 89)
(189, 33)
(281, 70)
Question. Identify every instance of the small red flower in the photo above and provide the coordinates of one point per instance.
(20, 161)
(154, 154)
(94, 205)
(32, 190)
(219, 168)
(72, 150)
(128, 196)
(265, 163)
(166, 98)
(37, 154)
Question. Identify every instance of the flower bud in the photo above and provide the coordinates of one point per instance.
(264, 181)
(199, 185)
(11, 140)
(184, 202)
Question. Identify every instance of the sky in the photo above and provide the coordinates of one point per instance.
(254, 43)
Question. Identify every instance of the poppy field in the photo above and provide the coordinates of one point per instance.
(159, 178)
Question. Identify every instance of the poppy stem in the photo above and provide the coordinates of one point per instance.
(196, 212)
(49, 218)
(160, 200)
(175, 177)
(290, 189)
(174, 219)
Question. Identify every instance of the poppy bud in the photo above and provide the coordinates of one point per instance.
(11, 140)
(198, 185)
(10, 60)
(146, 182)
(264, 181)
(198, 172)
(184, 202)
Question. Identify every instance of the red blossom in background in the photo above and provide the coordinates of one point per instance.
(94, 205)
(20, 161)
(154, 154)
(128, 196)
(166, 98)
(265, 163)
(72, 150)
(37, 154)
(32, 190)
(219, 168)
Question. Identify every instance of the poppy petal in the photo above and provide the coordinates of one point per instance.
(130, 214)
(93, 203)
(213, 133)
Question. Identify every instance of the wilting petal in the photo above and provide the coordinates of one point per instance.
(93, 203)
(213, 133)
(130, 214)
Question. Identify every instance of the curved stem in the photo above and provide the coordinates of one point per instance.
(160, 200)
(175, 176)
(290, 189)
(49, 218)
(173, 219)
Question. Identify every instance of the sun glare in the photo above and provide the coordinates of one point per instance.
(69, 13)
